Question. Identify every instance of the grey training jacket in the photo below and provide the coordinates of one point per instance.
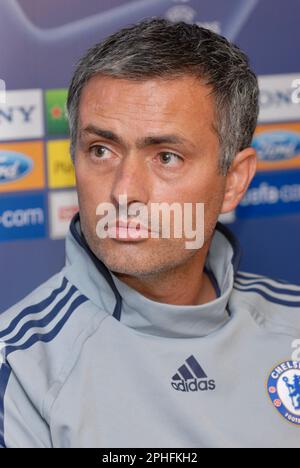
(86, 361)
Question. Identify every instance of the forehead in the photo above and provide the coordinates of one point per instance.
(184, 101)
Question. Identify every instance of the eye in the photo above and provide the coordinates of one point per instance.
(99, 151)
(170, 159)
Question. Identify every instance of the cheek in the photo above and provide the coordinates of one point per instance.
(195, 187)
(207, 185)
(208, 190)
(213, 206)
(91, 188)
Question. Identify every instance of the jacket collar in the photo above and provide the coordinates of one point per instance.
(134, 310)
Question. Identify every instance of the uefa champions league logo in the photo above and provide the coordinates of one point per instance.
(284, 390)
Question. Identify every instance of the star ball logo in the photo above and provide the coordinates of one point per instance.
(56, 116)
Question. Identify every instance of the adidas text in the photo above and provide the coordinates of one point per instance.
(194, 385)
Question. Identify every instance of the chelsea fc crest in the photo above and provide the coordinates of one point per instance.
(284, 390)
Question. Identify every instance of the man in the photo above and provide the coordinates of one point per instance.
(142, 341)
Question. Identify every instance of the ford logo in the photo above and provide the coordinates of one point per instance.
(277, 145)
(13, 166)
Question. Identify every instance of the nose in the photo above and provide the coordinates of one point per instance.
(131, 180)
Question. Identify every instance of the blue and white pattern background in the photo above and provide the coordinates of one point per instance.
(41, 40)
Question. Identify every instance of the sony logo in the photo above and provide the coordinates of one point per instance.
(21, 113)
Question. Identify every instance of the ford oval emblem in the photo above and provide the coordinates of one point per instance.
(13, 166)
(277, 145)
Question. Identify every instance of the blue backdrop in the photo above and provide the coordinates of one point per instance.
(40, 41)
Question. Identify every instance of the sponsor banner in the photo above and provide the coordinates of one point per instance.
(56, 117)
(272, 194)
(22, 217)
(22, 166)
(61, 172)
(278, 146)
(21, 116)
(62, 207)
(279, 98)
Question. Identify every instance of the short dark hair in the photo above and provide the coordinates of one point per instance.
(159, 48)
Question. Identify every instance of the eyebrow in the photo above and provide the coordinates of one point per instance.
(140, 143)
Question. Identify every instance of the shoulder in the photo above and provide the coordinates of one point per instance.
(52, 295)
(41, 338)
(41, 331)
(271, 300)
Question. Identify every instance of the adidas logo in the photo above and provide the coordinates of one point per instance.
(192, 378)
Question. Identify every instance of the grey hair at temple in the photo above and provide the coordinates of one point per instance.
(158, 48)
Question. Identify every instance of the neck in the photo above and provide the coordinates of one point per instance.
(186, 285)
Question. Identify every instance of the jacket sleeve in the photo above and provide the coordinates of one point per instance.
(21, 424)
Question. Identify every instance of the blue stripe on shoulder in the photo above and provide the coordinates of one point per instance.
(34, 309)
(259, 278)
(270, 287)
(46, 338)
(269, 298)
(43, 322)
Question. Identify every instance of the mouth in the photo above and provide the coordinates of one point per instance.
(129, 232)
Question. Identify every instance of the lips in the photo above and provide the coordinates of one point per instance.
(130, 226)
(126, 231)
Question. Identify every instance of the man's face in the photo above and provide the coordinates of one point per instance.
(152, 171)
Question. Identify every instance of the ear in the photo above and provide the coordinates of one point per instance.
(239, 177)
